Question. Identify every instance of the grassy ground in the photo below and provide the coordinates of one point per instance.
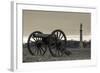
(77, 54)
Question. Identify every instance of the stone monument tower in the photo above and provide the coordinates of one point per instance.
(81, 36)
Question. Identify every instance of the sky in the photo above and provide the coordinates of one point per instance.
(48, 21)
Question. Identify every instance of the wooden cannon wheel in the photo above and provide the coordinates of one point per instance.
(35, 44)
(57, 45)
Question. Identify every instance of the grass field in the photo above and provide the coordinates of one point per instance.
(77, 54)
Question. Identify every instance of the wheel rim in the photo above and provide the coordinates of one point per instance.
(57, 46)
(35, 44)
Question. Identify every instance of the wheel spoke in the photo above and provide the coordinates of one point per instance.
(36, 38)
(55, 34)
(42, 49)
(37, 51)
(60, 52)
(33, 38)
(59, 35)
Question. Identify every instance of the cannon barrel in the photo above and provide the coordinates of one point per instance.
(41, 35)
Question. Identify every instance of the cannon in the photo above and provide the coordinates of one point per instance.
(38, 43)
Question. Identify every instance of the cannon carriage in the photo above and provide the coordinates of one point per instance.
(38, 43)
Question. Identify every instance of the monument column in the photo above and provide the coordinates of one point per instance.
(81, 36)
